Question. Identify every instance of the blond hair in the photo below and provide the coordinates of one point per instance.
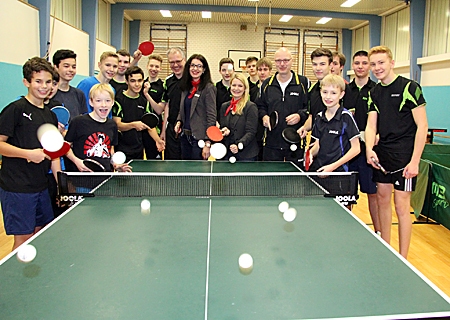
(333, 80)
(243, 101)
(264, 61)
(381, 49)
(155, 56)
(101, 87)
(108, 54)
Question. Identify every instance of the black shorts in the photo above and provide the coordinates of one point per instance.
(394, 163)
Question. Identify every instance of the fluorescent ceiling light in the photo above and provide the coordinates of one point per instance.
(206, 14)
(323, 20)
(349, 3)
(166, 13)
(253, 0)
(285, 18)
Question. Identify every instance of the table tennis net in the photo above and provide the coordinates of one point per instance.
(206, 185)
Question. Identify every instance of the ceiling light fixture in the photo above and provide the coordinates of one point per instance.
(349, 3)
(206, 14)
(285, 18)
(166, 13)
(323, 20)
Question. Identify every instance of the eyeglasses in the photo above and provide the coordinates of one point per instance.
(280, 61)
(198, 66)
(172, 63)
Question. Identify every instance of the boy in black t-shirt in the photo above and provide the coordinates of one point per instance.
(94, 135)
(128, 109)
(24, 195)
(397, 114)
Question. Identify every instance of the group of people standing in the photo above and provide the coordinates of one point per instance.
(354, 127)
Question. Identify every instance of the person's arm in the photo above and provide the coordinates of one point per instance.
(157, 107)
(160, 144)
(420, 118)
(32, 155)
(56, 167)
(370, 136)
(350, 154)
(137, 55)
(303, 130)
(127, 126)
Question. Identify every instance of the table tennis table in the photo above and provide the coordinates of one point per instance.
(103, 259)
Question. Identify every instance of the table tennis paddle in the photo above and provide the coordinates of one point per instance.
(150, 119)
(62, 114)
(146, 48)
(61, 152)
(94, 165)
(50, 137)
(214, 133)
(379, 166)
(218, 150)
(273, 120)
(307, 159)
(290, 135)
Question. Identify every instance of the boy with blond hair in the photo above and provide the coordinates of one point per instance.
(397, 114)
(335, 130)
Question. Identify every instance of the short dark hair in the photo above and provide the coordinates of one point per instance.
(341, 56)
(133, 70)
(225, 60)
(250, 59)
(205, 78)
(55, 75)
(63, 54)
(35, 65)
(123, 52)
(360, 53)
(322, 52)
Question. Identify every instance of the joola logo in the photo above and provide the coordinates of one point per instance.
(70, 198)
(394, 95)
(333, 132)
(295, 94)
(347, 199)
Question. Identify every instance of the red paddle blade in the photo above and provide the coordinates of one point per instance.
(307, 160)
(61, 152)
(214, 133)
(146, 48)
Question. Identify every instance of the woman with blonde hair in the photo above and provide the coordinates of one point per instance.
(238, 119)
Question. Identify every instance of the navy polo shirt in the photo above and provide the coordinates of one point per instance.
(334, 136)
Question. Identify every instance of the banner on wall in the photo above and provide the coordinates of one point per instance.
(437, 204)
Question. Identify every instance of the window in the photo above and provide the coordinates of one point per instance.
(361, 39)
(437, 35)
(396, 34)
(68, 11)
(104, 21)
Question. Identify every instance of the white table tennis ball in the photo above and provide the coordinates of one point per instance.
(232, 159)
(201, 144)
(240, 146)
(245, 261)
(290, 214)
(26, 253)
(52, 140)
(145, 207)
(293, 147)
(283, 206)
(119, 157)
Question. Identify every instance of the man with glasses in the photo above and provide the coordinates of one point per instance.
(286, 93)
(170, 103)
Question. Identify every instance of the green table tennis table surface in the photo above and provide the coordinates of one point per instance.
(103, 259)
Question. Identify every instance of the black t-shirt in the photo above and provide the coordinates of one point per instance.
(355, 99)
(118, 86)
(19, 121)
(172, 95)
(394, 104)
(156, 90)
(129, 110)
(334, 136)
(222, 95)
(73, 100)
(91, 139)
(315, 104)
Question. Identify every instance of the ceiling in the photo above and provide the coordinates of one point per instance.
(306, 12)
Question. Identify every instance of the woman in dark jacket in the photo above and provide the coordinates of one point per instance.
(238, 119)
(197, 108)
